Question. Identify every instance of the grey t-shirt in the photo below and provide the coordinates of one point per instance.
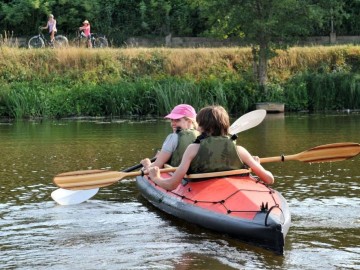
(170, 143)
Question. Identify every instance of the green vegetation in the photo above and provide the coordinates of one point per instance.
(121, 19)
(138, 82)
(264, 25)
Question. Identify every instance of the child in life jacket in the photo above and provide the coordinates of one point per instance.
(208, 153)
(183, 124)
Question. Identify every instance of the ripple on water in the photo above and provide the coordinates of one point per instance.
(106, 235)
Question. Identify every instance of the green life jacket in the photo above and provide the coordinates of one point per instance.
(186, 137)
(216, 153)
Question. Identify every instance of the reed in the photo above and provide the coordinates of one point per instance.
(21, 101)
(323, 92)
(139, 81)
(169, 93)
(7, 40)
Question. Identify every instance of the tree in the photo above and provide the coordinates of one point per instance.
(264, 24)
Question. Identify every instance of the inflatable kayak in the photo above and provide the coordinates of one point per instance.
(238, 205)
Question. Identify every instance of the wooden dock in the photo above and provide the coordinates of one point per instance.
(271, 107)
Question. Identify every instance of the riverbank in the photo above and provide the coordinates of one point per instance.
(138, 81)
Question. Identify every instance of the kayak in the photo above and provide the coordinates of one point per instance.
(240, 206)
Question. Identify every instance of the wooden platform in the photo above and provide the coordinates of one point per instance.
(271, 107)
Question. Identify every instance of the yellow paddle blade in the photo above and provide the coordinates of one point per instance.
(323, 153)
(87, 179)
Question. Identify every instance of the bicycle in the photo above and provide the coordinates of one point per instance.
(97, 41)
(39, 41)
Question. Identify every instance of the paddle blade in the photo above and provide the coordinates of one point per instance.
(323, 153)
(87, 179)
(247, 121)
(69, 197)
(330, 152)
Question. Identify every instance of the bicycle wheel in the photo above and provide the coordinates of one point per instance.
(36, 42)
(76, 42)
(61, 41)
(79, 42)
(101, 42)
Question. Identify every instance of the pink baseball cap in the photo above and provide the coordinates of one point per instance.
(182, 110)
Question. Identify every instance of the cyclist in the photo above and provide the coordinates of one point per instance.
(51, 24)
(86, 32)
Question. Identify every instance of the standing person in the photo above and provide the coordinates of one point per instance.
(86, 32)
(51, 24)
(213, 151)
(184, 126)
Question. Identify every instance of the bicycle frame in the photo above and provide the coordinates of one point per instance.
(39, 41)
(41, 35)
(97, 41)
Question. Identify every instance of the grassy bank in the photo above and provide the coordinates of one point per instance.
(125, 82)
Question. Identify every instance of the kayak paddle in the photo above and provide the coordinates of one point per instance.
(100, 178)
(247, 121)
(64, 197)
(323, 153)
(68, 197)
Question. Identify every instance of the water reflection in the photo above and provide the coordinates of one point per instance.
(119, 230)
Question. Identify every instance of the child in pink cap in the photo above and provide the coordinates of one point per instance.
(183, 124)
(213, 152)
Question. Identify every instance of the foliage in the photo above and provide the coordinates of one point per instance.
(260, 23)
(139, 82)
(143, 97)
(323, 92)
(120, 19)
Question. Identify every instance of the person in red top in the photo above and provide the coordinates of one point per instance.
(86, 31)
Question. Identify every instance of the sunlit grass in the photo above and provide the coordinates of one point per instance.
(197, 63)
(139, 81)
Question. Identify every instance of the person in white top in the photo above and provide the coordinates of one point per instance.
(51, 24)
(182, 117)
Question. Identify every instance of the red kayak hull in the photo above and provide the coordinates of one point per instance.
(240, 206)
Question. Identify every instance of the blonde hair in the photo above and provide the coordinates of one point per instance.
(193, 121)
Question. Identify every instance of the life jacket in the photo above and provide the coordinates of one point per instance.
(186, 137)
(216, 153)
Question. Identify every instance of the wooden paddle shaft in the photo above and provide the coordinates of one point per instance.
(101, 178)
(89, 179)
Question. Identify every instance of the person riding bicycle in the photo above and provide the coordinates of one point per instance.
(51, 24)
(86, 31)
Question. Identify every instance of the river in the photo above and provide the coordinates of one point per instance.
(117, 229)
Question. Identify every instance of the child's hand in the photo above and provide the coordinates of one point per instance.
(154, 173)
(146, 163)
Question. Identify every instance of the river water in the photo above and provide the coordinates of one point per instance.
(117, 229)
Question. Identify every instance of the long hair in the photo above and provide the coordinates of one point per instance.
(214, 120)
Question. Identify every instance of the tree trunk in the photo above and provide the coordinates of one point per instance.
(260, 61)
(262, 73)
(255, 55)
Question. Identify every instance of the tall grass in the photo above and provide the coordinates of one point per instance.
(7, 39)
(323, 92)
(169, 93)
(112, 65)
(143, 97)
(128, 82)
